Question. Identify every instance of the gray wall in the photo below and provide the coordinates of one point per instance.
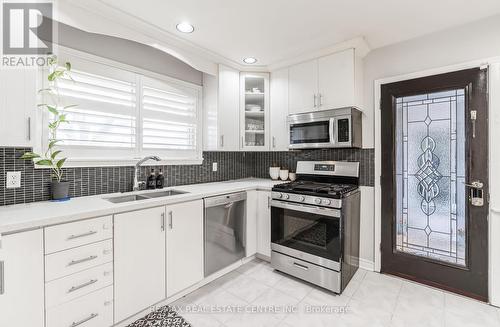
(127, 52)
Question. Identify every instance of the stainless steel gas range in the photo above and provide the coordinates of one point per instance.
(315, 224)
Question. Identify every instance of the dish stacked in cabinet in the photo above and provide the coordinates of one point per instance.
(79, 273)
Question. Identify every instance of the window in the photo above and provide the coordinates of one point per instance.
(123, 115)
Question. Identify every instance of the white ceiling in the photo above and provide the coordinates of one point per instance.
(276, 30)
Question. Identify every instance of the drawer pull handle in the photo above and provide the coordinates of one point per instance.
(2, 277)
(75, 262)
(78, 323)
(72, 237)
(298, 265)
(76, 288)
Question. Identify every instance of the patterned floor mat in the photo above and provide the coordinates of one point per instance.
(163, 317)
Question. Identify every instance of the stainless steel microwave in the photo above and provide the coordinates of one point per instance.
(335, 128)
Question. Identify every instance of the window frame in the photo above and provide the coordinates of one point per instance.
(122, 158)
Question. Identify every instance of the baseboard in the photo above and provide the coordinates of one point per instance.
(366, 264)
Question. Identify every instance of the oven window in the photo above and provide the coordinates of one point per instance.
(317, 132)
(311, 233)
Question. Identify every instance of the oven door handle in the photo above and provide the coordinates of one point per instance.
(307, 208)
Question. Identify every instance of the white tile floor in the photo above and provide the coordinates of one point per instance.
(371, 299)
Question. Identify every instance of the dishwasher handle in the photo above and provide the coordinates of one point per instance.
(225, 199)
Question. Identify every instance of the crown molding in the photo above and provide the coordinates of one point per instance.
(358, 43)
(101, 18)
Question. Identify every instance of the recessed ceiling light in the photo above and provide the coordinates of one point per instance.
(250, 60)
(185, 27)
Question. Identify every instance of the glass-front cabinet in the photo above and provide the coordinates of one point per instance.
(254, 125)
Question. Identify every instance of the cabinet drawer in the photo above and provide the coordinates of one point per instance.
(92, 310)
(68, 262)
(66, 236)
(73, 286)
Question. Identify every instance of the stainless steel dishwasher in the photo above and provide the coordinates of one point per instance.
(225, 230)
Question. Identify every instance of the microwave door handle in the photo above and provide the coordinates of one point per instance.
(332, 130)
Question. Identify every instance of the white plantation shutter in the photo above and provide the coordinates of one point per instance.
(105, 115)
(122, 115)
(170, 119)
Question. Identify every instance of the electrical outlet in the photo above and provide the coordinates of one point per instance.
(214, 166)
(13, 179)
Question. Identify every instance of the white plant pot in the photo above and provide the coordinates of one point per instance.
(284, 174)
(274, 172)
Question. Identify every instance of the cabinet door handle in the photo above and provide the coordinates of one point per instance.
(78, 323)
(29, 128)
(222, 141)
(320, 99)
(75, 262)
(2, 277)
(242, 141)
(162, 221)
(315, 101)
(76, 288)
(170, 220)
(274, 142)
(89, 233)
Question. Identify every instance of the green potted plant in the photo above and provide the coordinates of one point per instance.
(51, 157)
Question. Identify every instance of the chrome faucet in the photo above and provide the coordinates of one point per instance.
(137, 184)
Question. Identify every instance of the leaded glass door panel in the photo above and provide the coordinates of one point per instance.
(434, 151)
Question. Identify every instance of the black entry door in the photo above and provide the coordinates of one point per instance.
(434, 181)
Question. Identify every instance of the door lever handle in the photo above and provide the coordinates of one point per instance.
(475, 184)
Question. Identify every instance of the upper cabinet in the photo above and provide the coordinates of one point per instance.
(333, 81)
(17, 106)
(228, 109)
(221, 108)
(279, 111)
(303, 86)
(254, 111)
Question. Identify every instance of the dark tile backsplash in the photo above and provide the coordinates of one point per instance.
(35, 183)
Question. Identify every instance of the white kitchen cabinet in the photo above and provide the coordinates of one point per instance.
(279, 139)
(251, 223)
(184, 245)
(329, 82)
(264, 223)
(303, 87)
(18, 97)
(139, 243)
(21, 279)
(228, 109)
(336, 86)
(254, 111)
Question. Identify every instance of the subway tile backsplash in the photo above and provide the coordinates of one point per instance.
(35, 183)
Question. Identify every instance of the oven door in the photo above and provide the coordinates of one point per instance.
(306, 232)
(312, 134)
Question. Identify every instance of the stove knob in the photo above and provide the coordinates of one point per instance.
(317, 200)
(327, 202)
(301, 198)
(278, 195)
(286, 196)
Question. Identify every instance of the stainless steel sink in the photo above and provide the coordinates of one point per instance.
(126, 198)
(163, 193)
(143, 196)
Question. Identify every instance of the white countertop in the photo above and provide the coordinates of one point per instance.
(39, 214)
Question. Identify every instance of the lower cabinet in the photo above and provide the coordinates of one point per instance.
(139, 243)
(184, 245)
(21, 280)
(264, 223)
(251, 223)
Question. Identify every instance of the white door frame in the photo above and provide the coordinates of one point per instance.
(494, 118)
